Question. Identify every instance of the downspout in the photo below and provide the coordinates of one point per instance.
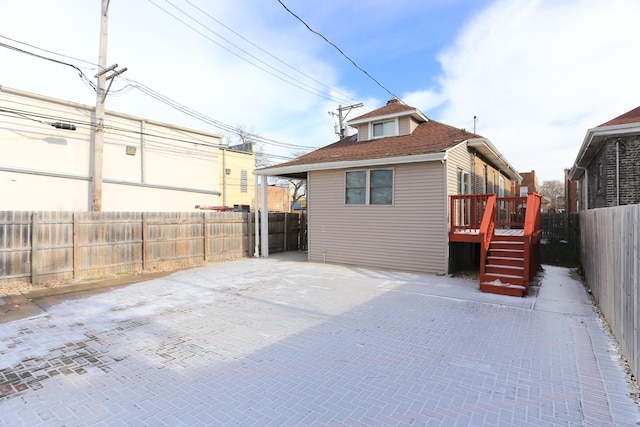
(447, 214)
(256, 229)
(585, 190)
(618, 172)
(264, 226)
(224, 176)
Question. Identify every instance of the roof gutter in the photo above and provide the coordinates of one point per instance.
(477, 142)
(415, 113)
(345, 164)
(592, 135)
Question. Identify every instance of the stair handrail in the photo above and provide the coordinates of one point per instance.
(487, 229)
(532, 233)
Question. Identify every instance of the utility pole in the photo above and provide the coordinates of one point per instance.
(101, 95)
(341, 129)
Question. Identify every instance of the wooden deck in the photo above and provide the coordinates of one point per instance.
(508, 232)
(473, 235)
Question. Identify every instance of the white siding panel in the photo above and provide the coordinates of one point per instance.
(409, 235)
(404, 126)
(458, 157)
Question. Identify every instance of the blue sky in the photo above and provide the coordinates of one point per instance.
(536, 73)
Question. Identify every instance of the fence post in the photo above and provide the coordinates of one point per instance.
(286, 232)
(145, 237)
(34, 248)
(205, 233)
(76, 232)
(249, 233)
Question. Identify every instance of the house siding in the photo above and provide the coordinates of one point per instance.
(404, 126)
(409, 235)
(413, 124)
(458, 158)
(363, 132)
(493, 177)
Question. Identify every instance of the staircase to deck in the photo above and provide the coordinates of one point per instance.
(505, 267)
(508, 230)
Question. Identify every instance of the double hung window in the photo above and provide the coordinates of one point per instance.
(387, 128)
(369, 187)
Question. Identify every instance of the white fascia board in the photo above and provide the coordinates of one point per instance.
(387, 117)
(348, 164)
(600, 133)
(476, 142)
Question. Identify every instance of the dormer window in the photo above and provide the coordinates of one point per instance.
(386, 128)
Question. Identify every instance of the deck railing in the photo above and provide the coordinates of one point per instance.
(532, 233)
(487, 228)
(510, 212)
(467, 211)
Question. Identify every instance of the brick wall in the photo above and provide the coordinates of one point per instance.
(602, 172)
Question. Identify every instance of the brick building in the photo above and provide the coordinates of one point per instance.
(528, 185)
(606, 167)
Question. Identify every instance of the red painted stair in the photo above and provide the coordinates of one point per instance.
(505, 267)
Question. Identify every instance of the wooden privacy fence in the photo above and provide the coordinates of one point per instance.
(561, 226)
(610, 253)
(62, 246)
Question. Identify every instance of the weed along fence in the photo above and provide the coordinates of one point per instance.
(37, 247)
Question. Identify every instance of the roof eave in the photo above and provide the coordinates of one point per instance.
(485, 147)
(347, 164)
(591, 144)
(414, 113)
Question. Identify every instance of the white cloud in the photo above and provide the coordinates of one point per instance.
(538, 74)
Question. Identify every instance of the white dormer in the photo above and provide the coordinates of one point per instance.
(394, 119)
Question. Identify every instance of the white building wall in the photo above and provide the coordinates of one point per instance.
(44, 168)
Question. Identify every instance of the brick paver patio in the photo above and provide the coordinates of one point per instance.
(277, 341)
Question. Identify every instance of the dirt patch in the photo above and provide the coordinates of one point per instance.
(61, 286)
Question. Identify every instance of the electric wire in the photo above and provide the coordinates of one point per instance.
(309, 89)
(348, 97)
(131, 134)
(132, 84)
(83, 76)
(339, 50)
(95, 66)
(209, 120)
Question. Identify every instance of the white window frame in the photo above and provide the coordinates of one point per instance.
(367, 187)
(394, 132)
(464, 183)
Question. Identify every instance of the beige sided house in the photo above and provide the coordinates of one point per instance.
(381, 198)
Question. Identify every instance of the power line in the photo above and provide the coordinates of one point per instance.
(268, 53)
(220, 125)
(310, 89)
(339, 50)
(83, 76)
(164, 99)
(49, 51)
